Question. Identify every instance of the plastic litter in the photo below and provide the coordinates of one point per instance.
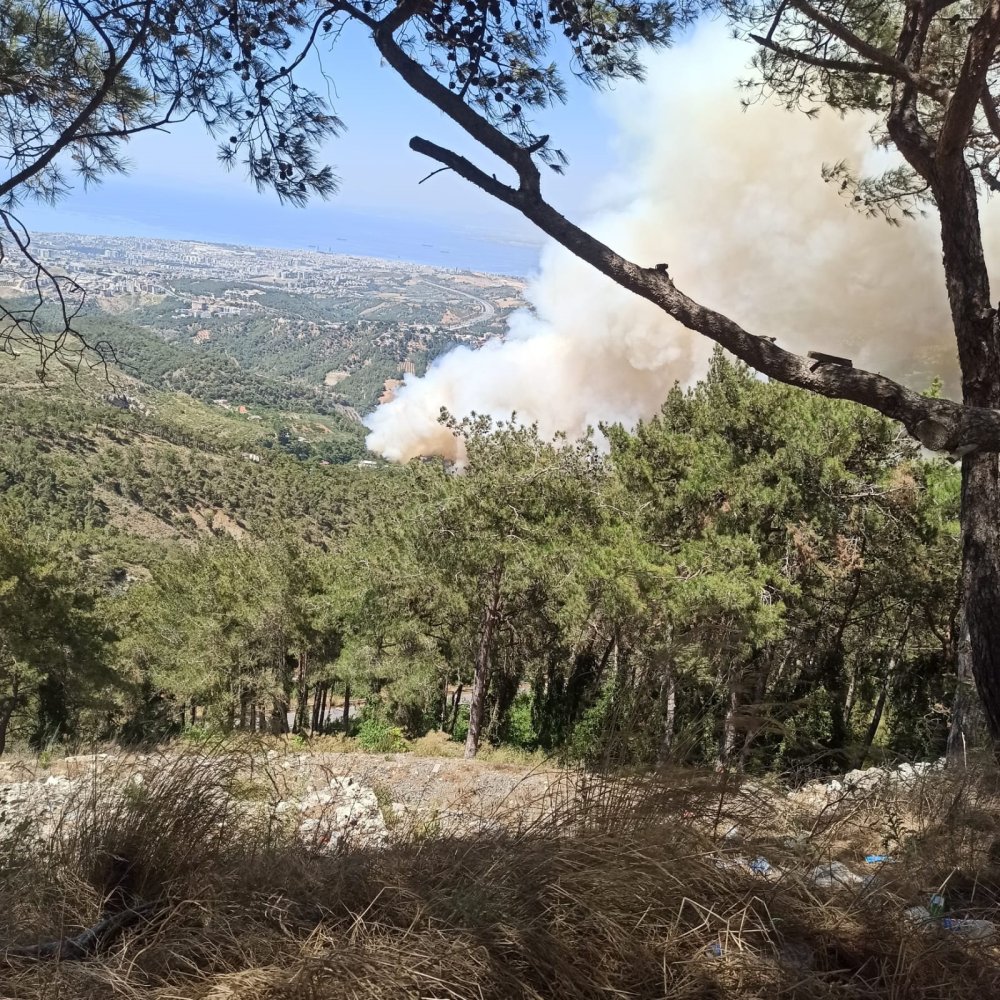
(936, 907)
(917, 915)
(760, 866)
(835, 875)
(714, 949)
(975, 930)
(731, 864)
(879, 859)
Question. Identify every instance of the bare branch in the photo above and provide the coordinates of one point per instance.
(990, 110)
(891, 66)
(834, 65)
(941, 425)
(87, 942)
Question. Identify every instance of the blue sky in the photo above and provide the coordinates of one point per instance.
(178, 189)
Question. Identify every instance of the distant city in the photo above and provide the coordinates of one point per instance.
(335, 330)
(113, 265)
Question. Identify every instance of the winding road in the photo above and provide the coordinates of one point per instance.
(489, 310)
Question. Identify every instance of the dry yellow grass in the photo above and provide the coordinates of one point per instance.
(612, 890)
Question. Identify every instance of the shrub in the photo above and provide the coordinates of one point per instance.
(520, 728)
(377, 736)
(461, 728)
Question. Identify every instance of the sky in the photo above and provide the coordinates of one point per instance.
(177, 189)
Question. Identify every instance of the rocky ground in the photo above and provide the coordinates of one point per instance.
(332, 794)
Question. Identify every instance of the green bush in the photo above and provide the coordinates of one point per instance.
(378, 736)
(520, 729)
(461, 728)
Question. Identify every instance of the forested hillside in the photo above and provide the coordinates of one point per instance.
(757, 574)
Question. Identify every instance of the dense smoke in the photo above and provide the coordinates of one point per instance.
(734, 202)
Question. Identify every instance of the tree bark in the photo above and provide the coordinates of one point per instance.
(480, 682)
(302, 697)
(6, 711)
(322, 694)
(456, 702)
(728, 744)
(981, 585)
(346, 717)
(668, 698)
(314, 717)
(279, 717)
(876, 721)
(978, 337)
(967, 723)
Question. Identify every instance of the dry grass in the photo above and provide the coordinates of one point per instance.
(614, 892)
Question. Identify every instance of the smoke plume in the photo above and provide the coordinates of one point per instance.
(734, 202)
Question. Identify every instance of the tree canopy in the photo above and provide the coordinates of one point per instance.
(86, 75)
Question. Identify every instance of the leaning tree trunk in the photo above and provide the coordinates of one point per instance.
(481, 679)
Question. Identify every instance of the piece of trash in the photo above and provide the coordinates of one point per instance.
(835, 876)
(760, 866)
(715, 949)
(936, 907)
(975, 930)
(879, 859)
(732, 864)
(917, 915)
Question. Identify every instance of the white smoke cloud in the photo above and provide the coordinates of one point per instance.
(733, 201)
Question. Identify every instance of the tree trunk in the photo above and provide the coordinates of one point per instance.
(876, 721)
(668, 698)
(981, 587)
(6, 711)
(966, 730)
(314, 716)
(279, 717)
(978, 337)
(481, 679)
(346, 717)
(456, 703)
(302, 696)
(729, 724)
(441, 705)
(323, 698)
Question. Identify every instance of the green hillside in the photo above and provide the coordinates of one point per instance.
(113, 453)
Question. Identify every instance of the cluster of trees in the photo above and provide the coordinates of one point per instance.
(757, 575)
(925, 71)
